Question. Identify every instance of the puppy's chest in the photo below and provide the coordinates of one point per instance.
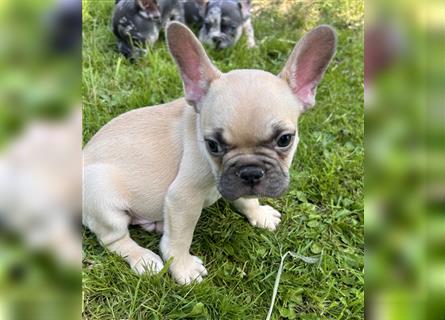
(212, 196)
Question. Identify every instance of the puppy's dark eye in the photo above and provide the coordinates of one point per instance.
(284, 140)
(214, 147)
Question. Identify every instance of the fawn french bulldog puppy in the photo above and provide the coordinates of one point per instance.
(234, 135)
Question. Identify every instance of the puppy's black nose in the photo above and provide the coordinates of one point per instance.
(216, 39)
(251, 174)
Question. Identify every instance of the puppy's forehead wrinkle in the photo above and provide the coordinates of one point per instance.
(282, 126)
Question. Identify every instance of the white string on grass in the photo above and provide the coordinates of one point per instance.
(310, 260)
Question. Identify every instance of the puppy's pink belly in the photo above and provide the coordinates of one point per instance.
(148, 225)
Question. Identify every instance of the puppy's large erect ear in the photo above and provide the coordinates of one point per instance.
(245, 7)
(308, 62)
(197, 72)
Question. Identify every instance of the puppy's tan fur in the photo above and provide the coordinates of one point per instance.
(150, 166)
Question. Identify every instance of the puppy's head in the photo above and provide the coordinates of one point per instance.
(248, 118)
(223, 21)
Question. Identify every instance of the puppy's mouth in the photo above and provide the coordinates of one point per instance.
(253, 180)
(219, 41)
(223, 44)
(249, 192)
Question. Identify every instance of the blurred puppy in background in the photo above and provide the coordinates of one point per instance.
(224, 23)
(136, 23)
(220, 24)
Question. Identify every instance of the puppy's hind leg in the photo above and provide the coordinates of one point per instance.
(117, 239)
(248, 30)
(105, 214)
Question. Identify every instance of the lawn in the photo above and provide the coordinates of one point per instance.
(322, 213)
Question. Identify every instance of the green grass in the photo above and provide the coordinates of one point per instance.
(322, 211)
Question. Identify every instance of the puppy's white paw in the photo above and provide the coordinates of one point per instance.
(187, 269)
(251, 44)
(265, 217)
(147, 261)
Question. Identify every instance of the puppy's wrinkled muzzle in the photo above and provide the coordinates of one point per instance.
(222, 43)
(218, 40)
(259, 177)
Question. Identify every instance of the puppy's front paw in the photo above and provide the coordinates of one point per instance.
(147, 261)
(188, 269)
(265, 217)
